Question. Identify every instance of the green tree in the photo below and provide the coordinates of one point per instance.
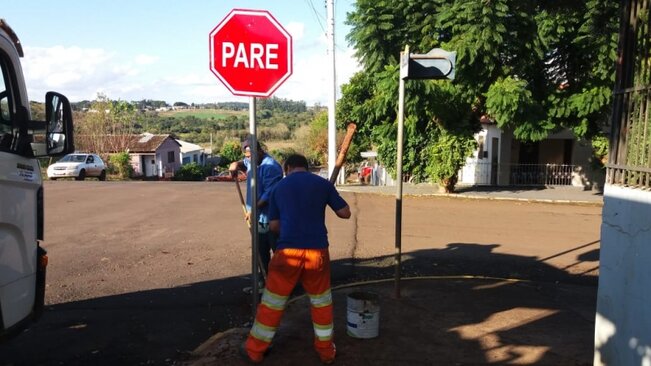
(106, 127)
(316, 144)
(231, 151)
(534, 67)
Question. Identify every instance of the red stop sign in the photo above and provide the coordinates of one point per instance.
(250, 52)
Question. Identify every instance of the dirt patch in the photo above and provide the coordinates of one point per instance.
(439, 321)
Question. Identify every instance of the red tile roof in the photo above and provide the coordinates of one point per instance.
(144, 143)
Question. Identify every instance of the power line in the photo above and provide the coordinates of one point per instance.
(317, 16)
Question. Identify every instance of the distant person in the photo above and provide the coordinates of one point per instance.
(365, 172)
(297, 213)
(269, 173)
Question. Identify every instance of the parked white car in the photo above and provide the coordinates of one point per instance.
(78, 166)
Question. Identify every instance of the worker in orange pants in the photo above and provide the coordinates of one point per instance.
(288, 266)
(297, 212)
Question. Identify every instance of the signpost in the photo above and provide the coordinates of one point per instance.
(251, 54)
(436, 64)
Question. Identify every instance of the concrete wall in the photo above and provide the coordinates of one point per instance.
(586, 174)
(506, 156)
(623, 319)
(477, 169)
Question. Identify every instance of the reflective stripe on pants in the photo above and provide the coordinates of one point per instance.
(288, 266)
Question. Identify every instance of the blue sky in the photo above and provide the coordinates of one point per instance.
(138, 49)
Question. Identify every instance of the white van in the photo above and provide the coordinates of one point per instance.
(22, 141)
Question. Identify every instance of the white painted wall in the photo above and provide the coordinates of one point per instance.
(623, 320)
(477, 169)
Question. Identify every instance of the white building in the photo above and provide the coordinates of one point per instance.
(501, 160)
(191, 153)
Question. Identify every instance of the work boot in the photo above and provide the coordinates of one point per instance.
(327, 358)
(328, 361)
(246, 356)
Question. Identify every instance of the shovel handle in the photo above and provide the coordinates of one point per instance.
(248, 223)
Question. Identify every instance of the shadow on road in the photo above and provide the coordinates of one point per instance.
(162, 326)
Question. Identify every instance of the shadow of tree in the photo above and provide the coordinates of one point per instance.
(450, 320)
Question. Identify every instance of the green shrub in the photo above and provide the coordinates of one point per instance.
(190, 172)
(120, 165)
(446, 156)
(282, 154)
(231, 151)
(600, 146)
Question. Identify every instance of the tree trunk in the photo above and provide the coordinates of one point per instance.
(448, 184)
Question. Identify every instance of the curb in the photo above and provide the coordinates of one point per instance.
(478, 197)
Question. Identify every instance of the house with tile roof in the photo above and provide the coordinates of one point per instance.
(150, 155)
(154, 155)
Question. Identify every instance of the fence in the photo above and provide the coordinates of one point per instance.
(630, 153)
(518, 174)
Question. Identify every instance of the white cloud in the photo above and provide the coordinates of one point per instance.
(146, 59)
(296, 30)
(77, 72)
(81, 73)
(311, 80)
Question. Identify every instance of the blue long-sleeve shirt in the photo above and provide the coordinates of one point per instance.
(269, 173)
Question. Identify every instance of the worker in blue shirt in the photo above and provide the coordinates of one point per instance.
(297, 211)
(269, 173)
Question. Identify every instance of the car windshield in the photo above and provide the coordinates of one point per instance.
(73, 159)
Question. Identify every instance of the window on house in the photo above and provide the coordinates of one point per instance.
(170, 156)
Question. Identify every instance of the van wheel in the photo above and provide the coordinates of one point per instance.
(82, 175)
(102, 175)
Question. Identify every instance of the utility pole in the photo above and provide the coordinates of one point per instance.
(332, 100)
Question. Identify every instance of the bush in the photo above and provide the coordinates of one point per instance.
(600, 146)
(191, 172)
(446, 156)
(120, 165)
(231, 151)
(282, 154)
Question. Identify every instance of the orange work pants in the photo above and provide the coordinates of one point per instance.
(287, 267)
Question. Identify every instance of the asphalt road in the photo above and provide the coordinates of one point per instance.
(144, 272)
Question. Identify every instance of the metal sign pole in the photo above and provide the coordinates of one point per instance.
(401, 122)
(436, 64)
(254, 204)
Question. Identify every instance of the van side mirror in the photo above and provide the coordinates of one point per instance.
(59, 128)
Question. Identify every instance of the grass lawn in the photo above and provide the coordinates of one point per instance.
(281, 144)
(204, 113)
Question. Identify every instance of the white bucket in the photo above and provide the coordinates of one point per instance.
(363, 318)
